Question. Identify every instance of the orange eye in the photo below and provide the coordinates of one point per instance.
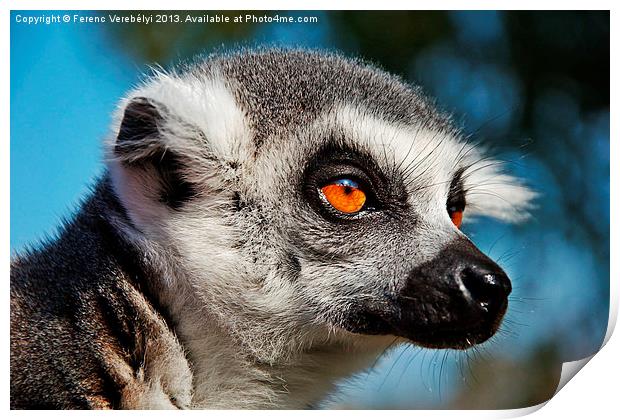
(345, 196)
(456, 216)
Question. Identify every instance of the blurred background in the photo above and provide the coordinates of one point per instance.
(532, 86)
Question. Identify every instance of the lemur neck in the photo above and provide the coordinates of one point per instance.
(226, 377)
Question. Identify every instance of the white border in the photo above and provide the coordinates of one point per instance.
(595, 390)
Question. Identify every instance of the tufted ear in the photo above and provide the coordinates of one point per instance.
(493, 193)
(147, 143)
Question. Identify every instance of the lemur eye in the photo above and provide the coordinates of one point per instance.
(344, 195)
(456, 199)
(456, 215)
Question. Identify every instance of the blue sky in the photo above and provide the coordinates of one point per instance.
(64, 85)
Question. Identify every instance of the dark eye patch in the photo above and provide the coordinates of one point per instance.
(335, 162)
(456, 194)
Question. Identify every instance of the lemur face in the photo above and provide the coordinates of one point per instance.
(369, 218)
(304, 196)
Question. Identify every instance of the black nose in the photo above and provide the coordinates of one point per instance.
(485, 285)
(455, 300)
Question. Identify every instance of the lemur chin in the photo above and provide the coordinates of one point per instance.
(269, 222)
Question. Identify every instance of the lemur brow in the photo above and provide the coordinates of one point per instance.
(457, 189)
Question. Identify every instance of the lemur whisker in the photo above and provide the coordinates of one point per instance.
(408, 171)
(408, 364)
(399, 168)
(387, 375)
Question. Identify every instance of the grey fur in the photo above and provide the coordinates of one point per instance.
(281, 94)
(204, 271)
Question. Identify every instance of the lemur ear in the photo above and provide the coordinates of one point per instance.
(144, 144)
(139, 134)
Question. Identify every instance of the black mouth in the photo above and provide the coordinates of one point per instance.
(432, 320)
(459, 339)
(457, 334)
(448, 329)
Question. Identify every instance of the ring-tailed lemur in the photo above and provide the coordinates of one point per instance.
(269, 221)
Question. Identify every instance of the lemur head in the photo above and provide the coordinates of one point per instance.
(305, 197)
